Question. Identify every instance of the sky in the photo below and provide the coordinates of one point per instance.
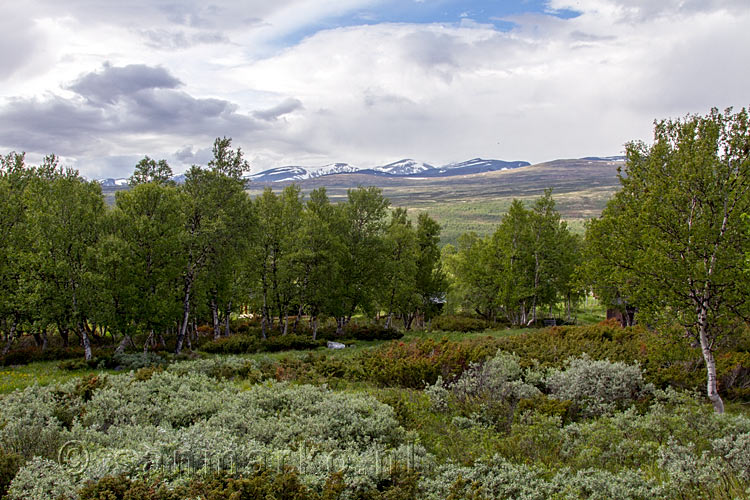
(309, 82)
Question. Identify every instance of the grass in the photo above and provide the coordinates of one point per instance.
(40, 373)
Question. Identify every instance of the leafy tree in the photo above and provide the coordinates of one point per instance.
(143, 258)
(65, 221)
(431, 282)
(673, 239)
(363, 219)
(226, 160)
(150, 170)
(14, 300)
(399, 287)
(316, 256)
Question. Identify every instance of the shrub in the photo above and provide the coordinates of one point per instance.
(31, 354)
(235, 344)
(420, 362)
(487, 392)
(10, 463)
(355, 331)
(289, 342)
(597, 387)
(464, 324)
(224, 367)
(282, 415)
(29, 423)
(42, 479)
(164, 398)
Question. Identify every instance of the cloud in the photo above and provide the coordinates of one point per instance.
(283, 108)
(112, 83)
(184, 73)
(112, 105)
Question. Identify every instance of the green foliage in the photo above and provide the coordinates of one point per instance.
(527, 264)
(597, 387)
(42, 479)
(420, 362)
(10, 463)
(456, 323)
(672, 240)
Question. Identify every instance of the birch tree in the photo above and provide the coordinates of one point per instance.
(673, 238)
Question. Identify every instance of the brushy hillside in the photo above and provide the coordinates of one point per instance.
(568, 412)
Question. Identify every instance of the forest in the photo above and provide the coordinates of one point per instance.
(175, 342)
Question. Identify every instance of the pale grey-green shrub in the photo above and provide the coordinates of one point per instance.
(595, 484)
(494, 478)
(734, 450)
(597, 387)
(281, 415)
(165, 398)
(28, 422)
(219, 367)
(498, 378)
(686, 469)
(486, 393)
(498, 478)
(42, 479)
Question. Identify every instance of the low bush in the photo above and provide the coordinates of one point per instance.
(234, 344)
(487, 393)
(289, 342)
(223, 367)
(420, 362)
(242, 344)
(32, 354)
(464, 324)
(10, 463)
(355, 331)
(597, 387)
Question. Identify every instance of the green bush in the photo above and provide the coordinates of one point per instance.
(289, 342)
(235, 344)
(32, 354)
(420, 362)
(10, 463)
(597, 387)
(355, 331)
(465, 324)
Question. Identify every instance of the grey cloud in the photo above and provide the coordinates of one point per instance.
(19, 40)
(136, 105)
(107, 86)
(166, 39)
(588, 37)
(184, 154)
(433, 49)
(375, 98)
(285, 107)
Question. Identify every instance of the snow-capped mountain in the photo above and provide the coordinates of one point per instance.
(475, 166)
(333, 168)
(291, 173)
(604, 158)
(404, 167)
(110, 182)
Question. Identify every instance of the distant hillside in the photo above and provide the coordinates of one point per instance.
(462, 201)
(476, 202)
(402, 168)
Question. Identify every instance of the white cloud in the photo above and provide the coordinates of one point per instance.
(369, 94)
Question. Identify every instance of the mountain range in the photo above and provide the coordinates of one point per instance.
(402, 168)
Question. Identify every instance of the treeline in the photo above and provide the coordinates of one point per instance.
(521, 271)
(165, 256)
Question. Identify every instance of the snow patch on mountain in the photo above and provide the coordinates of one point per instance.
(404, 167)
